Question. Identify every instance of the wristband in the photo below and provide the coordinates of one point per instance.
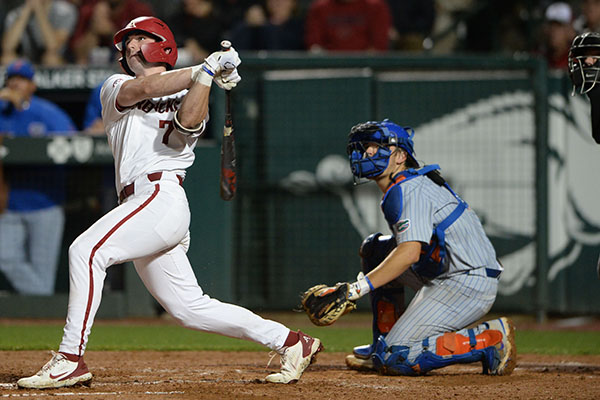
(208, 71)
(204, 79)
(202, 75)
(370, 284)
(359, 288)
(196, 69)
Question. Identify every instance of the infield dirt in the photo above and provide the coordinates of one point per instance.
(240, 375)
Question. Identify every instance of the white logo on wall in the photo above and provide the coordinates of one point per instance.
(487, 153)
(60, 149)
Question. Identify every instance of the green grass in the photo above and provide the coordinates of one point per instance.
(558, 342)
(163, 337)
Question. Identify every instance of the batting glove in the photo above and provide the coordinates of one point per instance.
(228, 79)
(219, 62)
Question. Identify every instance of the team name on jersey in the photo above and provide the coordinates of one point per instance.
(162, 106)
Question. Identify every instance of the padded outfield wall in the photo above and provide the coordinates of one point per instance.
(507, 134)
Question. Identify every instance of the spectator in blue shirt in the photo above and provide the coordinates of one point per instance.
(31, 226)
(92, 119)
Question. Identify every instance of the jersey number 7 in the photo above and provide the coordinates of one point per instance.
(169, 124)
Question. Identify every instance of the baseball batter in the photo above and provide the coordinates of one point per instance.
(439, 249)
(153, 118)
(584, 71)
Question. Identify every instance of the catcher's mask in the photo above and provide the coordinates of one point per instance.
(163, 50)
(583, 75)
(383, 134)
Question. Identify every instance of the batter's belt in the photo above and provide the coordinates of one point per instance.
(130, 189)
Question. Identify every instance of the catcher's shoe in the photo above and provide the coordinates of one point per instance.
(295, 359)
(501, 359)
(58, 372)
(363, 352)
(359, 364)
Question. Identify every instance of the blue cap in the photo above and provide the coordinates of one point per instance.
(20, 68)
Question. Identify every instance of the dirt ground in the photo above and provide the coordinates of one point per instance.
(223, 376)
(240, 375)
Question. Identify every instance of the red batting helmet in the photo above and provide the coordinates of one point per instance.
(163, 50)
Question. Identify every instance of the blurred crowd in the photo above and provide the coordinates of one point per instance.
(55, 32)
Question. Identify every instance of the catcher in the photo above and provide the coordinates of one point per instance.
(439, 249)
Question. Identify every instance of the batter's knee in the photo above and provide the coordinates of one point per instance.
(184, 314)
(78, 250)
(183, 318)
(86, 251)
(374, 249)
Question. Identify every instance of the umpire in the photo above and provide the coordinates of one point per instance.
(584, 71)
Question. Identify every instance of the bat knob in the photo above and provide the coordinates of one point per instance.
(225, 45)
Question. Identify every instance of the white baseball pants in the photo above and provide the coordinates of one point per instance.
(151, 228)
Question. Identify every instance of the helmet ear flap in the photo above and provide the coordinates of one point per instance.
(125, 67)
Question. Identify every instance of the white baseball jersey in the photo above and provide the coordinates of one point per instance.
(142, 137)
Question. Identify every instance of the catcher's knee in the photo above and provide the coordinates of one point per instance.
(374, 249)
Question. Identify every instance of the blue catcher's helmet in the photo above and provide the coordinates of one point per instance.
(384, 134)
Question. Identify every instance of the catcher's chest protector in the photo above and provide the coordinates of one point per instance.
(433, 261)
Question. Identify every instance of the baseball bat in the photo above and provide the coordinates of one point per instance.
(228, 180)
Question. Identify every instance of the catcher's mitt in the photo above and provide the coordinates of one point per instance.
(325, 304)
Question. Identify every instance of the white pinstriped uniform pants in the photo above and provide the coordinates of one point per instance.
(151, 228)
(445, 305)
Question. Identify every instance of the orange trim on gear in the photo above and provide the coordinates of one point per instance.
(327, 291)
(451, 343)
(398, 180)
(386, 316)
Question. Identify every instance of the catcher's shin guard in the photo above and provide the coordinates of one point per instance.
(391, 360)
(451, 348)
(501, 358)
(387, 302)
